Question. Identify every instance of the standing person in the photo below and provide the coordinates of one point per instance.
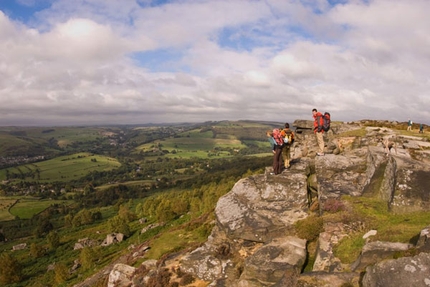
(421, 129)
(286, 150)
(276, 142)
(409, 125)
(318, 130)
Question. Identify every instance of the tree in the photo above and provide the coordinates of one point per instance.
(125, 213)
(44, 226)
(53, 239)
(10, 269)
(88, 257)
(36, 251)
(61, 272)
(164, 211)
(68, 220)
(83, 217)
(119, 225)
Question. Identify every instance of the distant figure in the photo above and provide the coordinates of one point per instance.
(318, 130)
(286, 150)
(421, 128)
(409, 125)
(276, 143)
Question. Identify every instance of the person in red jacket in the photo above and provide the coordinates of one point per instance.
(318, 130)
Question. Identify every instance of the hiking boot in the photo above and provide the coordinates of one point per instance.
(320, 153)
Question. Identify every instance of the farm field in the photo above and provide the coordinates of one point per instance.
(24, 207)
(200, 144)
(5, 204)
(15, 141)
(127, 183)
(61, 168)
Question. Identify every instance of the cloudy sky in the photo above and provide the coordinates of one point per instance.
(67, 62)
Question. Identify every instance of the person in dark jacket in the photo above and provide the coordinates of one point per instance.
(276, 143)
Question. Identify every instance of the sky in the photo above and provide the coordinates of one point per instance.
(95, 62)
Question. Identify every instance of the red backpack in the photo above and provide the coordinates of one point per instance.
(278, 137)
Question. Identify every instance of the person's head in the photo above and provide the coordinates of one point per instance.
(287, 125)
(269, 133)
(314, 112)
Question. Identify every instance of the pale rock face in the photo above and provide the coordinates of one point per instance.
(406, 271)
(121, 275)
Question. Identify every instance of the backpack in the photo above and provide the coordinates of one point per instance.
(288, 137)
(326, 121)
(278, 137)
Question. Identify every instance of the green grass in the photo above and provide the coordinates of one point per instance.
(5, 204)
(177, 239)
(415, 133)
(62, 168)
(196, 145)
(26, 207)
(353, 133)
(374, 214)
(127, 183)
(35, 140)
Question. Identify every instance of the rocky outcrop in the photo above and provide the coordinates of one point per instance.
(423, 243)
(121, 275)
(113, 238)
(406, 271)
(374, 252)
(254, 242)
(85, 242)
(262, 207)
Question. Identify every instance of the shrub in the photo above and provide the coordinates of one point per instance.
(333, 205)
(61, 272)
(310, 227)
(10, 269)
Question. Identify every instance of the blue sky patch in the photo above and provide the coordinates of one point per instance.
(22, 13)
(160, 60)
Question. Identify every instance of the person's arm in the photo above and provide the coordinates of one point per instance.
(319, 124)
(272, 142)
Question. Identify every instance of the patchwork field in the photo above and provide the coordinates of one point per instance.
(24, 207)
(61, 168)
(220, 142)
(5, 204)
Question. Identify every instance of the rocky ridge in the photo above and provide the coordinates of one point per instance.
(254, 241)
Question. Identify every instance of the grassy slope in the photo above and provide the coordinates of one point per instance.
(63, 168)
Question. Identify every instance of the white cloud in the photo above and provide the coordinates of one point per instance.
(72, 62)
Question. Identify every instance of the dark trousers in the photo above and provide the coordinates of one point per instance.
(277, 160)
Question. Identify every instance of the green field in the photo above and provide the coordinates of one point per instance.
(195, 143)
(5, 204)
(61, 168)
(36, 140)
(24, 207)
